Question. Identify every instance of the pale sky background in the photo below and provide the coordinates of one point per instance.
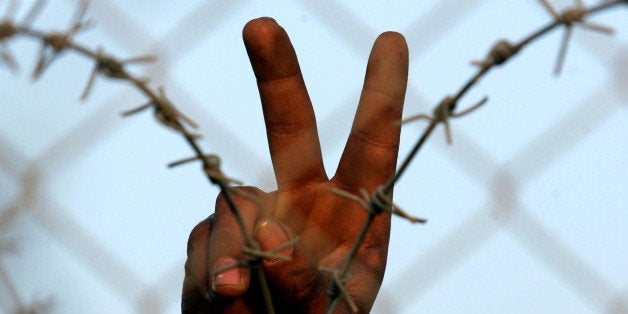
(527, 209)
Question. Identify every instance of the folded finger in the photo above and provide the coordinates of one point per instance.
(294, 274)
(228, 272)
(196, 294)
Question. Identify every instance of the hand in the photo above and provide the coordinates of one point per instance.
(303, 206)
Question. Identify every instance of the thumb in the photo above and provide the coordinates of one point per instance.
(297, 280)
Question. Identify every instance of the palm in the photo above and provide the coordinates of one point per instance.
(325, 223)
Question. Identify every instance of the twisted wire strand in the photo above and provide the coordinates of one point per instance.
(54, 44)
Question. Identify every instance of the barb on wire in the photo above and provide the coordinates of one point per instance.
(7, 57)
(377, 203)
(257, 255)
(498, 55)
(111, 68)
(55, 43)
(568, 18)
(8, 30)
(444, 111)
(211, 164)
(167, 114)
(254, 257)
(337, 290)
(209, 158)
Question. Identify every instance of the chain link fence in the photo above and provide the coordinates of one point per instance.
(527, 208)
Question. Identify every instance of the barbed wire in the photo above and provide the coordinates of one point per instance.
(499, 54)
(54, 44)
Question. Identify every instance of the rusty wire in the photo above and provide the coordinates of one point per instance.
(54, 44)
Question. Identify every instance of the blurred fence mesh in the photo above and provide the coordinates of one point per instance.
(527, 209)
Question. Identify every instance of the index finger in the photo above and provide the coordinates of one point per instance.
(290, 123)
(370, 155)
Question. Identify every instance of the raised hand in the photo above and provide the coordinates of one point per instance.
(303, 206)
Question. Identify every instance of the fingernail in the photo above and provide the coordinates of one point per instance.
(230, 276)
(270, 234)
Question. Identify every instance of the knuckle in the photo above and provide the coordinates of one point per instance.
(240, 195)
(201, 230)
(307, 286)
(308, 291)
(373, 140)
(374, 260)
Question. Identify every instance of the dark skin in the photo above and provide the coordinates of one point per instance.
(303, 206)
